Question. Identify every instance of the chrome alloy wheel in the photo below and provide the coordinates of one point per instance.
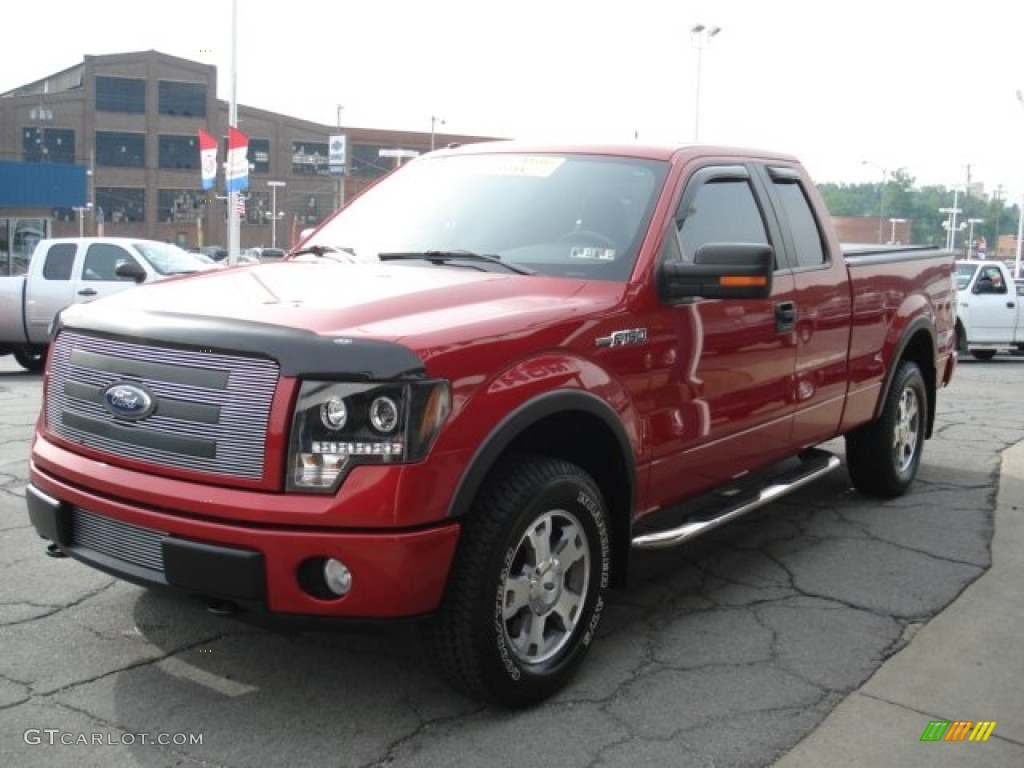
(546, 586)
(908, 429)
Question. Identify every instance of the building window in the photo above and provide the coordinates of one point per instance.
(120, 94)
(47, 145)
(311, 208)
(366, 161)
(182, 99)
(180, 205)
(121, 204)
(259, 155)
(121, 149)
(309, 157)
(178, 152)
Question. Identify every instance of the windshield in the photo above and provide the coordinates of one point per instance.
(561, 215)
(964, 273)
(169, 259)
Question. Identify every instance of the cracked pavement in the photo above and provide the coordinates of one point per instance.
(725, 652)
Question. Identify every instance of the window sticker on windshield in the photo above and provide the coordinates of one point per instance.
(513, 165)
(592, 254)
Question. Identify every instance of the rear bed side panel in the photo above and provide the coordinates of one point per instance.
(903, 305)
(12, 307)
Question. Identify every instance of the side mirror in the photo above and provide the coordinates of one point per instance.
(721, 271)
(131, 270)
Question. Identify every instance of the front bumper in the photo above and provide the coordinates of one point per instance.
(394, 573)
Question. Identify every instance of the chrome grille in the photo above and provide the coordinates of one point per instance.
(139, 546)
(212, 411)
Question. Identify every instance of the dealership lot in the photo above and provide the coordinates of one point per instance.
(726, 652)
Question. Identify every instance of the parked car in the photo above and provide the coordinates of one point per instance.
(215, 252)
(64, 271)
(263, 254)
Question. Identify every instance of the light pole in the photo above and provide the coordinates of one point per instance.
(1020, 218)
(341, 177)
(700, 38)
(892, 232)
(274, 216)
(434, 119)
(881, 195)
(970, 235)
(950, 224)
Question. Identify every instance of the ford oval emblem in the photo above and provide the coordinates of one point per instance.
(127, 400)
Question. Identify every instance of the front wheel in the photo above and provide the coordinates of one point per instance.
(882, 457)
(983, 354)
(526, 591)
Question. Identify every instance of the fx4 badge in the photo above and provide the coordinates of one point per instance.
(622, 338)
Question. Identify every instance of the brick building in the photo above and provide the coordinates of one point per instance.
(132, 120)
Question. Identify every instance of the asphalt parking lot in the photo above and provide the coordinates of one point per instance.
(727, 652)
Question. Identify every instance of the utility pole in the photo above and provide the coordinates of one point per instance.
(967, 210)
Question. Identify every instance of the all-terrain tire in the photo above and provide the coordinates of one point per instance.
(883, 457)
(31, 359)
(526, 590)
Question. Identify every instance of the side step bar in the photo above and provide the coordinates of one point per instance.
(814, 463)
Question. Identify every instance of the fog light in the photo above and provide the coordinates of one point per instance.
(337, 577)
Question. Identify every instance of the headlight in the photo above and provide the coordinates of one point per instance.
(339, 425)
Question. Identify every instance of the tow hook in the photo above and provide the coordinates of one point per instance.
(53, 550)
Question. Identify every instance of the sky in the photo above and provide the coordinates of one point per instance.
(854, 89)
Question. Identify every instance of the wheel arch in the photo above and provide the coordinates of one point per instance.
(578, 427)
(917, 344)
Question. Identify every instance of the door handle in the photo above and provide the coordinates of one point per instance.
(87, 292)
(785, 316)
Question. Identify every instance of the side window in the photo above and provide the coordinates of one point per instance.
(102, 261)
(799, 218)
(59, 261)
(991, 281)
(724, 211)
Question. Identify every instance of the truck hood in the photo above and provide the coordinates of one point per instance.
(425, 308)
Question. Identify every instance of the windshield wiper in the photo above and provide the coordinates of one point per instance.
(445, 257)
(323, 250)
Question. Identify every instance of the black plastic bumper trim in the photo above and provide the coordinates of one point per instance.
(207, 569)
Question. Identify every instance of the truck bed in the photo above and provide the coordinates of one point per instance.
(12, 302)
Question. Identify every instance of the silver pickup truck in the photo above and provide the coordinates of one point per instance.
(65, 271)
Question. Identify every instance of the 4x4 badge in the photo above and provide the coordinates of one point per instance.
(623, 338)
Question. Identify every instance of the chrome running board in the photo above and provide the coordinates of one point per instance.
(814, 463)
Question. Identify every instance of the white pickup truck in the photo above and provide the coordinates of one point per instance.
(65, 271)
(989, 309)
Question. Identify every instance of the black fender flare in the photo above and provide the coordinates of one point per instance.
(918, 324)
(516, 422)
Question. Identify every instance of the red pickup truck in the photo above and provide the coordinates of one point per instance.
(474, 391)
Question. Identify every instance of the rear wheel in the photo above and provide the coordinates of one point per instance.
(526, 591)
(983, 354)
(882, 457)
(31, 359)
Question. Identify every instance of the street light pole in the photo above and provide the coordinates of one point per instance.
(970, 235)
(881, 195)
(273, 210)
(341, 177)
(892, 233)
(700, 38)
(434, 119)
(951, 221)
(1020, 217)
